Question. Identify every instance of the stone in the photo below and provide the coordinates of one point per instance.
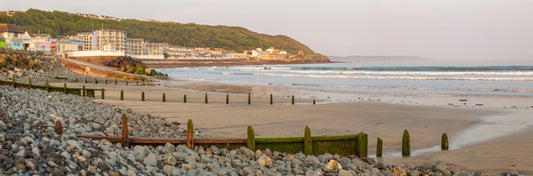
(170, 147)
(66, 155)
(399, 172)
(113, 173)
(186, 167)
(345, 173)
(440, 166)
(91, 169)
(73, 144)
(220, 172)
(150, 160)
(21, 153)
(30, 165)
(3, 125)
(36, 151)
(167, 169)
(249, 153)
(333, 165)
(86, 154)
(312, 172)
(140, 150)
(265, 161)
(20, 167)
(464, 174)
(170, 160)
(247, 170)
(325, 157)
(57, 172)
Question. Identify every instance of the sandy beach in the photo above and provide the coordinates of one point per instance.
(477, 148)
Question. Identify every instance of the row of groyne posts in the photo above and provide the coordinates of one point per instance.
(342, 145)
(91, 92)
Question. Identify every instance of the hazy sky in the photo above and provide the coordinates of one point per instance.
(473, 30)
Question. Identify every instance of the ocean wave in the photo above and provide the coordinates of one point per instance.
(429, 73)
(397, 77)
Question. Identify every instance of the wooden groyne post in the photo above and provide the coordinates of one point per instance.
(250, 142)
(227, 98)
(249, 98)
(379, 148)
(190, 134)
(308, 142)
(205, 98)
(184, 98)
(142, 96)
(293, 99)
(362, 145)
(65, 88)
(103, 93)
(444, 142)
(164, 98)
(121, 94)
(125, 140)
(83, 91)
(406, 148)
(271, 99)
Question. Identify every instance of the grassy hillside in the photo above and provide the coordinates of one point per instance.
(191, 35)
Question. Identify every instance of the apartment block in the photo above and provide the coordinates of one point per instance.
(134, 46)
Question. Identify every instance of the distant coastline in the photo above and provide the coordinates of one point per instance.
(357, 58)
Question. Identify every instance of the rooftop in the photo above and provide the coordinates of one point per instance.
(10, 28)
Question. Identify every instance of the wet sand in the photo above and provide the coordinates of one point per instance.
(385, 120)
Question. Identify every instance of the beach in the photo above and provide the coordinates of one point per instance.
(489, 134)
(383, 117)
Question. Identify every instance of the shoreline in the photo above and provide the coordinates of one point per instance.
(395, 115)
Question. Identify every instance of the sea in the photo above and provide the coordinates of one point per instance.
(383, 78)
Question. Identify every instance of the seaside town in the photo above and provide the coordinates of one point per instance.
(111, 42)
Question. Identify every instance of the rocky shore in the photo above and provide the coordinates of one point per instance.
(25, 149)
(39, 67)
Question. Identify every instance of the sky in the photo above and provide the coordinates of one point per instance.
(442, 30)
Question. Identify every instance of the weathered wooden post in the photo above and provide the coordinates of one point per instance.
(314, 102)
(126, 82)
(406, 148)
(184, 98)
(190, 132)
(250, 142)
(103, 93)
(95, 81)
(164, 98)
(205, 98)
(106, 81)
(271, 99)
(293, 99)
(121, 94)
(14, 83)
(85, 80)
(444, 145)
(29, 82)
(142, 96)
(83, 91)
(362, 145)
(379, 148)
(308, 143)
(47, 85)
(116, 81)
(65, 88)
(125, 141)
(59, 128)
(249, 98)
(227, 98)
(137, 82)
